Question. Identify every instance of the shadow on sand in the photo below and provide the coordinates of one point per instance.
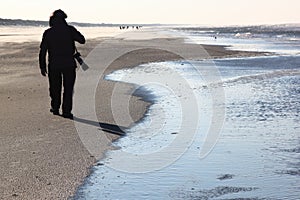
(109, 128)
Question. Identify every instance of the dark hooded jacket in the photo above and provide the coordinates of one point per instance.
(59, 41)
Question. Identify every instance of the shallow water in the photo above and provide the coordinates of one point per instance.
(278, 39)
(257, 152)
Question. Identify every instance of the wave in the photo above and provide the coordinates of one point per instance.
(245, 79)
(262, 76)
(287, 30)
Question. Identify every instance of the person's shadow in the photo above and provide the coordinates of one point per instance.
(109, 128)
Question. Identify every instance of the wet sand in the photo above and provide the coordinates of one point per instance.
(41, 155)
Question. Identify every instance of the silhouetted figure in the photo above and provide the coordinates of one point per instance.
(59, 42)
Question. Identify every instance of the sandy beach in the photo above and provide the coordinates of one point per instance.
(41, 155)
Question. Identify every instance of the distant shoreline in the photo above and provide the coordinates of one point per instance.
(21, 22)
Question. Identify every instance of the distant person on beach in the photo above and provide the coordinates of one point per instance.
(59, 42)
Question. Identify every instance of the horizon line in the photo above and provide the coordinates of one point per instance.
(152, 24)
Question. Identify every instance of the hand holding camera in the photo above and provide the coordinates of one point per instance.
(77, 56)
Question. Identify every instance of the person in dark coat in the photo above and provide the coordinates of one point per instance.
(59, 42)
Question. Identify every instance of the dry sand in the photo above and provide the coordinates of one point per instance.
(41, 155)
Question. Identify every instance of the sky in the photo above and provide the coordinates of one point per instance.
(208, 12)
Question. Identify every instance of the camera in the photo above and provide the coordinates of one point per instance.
(78, 58)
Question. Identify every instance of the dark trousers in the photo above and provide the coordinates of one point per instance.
(57, 78)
